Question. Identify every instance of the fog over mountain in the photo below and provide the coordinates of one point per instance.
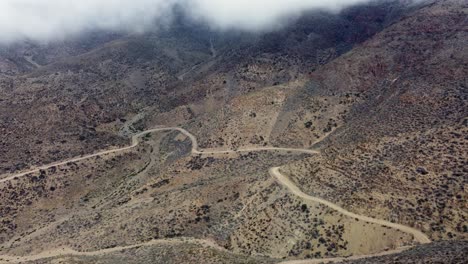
(45, 20)
(240, 131)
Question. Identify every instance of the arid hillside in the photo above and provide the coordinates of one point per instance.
(83, 90)
(402, 149)
(341, 135)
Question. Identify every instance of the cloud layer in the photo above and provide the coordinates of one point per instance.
(44, 20)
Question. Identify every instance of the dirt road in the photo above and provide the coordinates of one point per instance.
(136, 140)
(61, 252)
(417, 235)
(274, 172)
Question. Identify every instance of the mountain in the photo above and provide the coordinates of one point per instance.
(363, 111)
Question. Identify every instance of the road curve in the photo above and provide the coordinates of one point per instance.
(417, 235)
(274, 172)
(136, 141)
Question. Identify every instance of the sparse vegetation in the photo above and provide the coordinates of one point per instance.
(379, 90)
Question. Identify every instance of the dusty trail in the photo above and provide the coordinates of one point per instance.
(31, 60)
(62, 252)
(136, 141)
(417, 235)
(274, 172)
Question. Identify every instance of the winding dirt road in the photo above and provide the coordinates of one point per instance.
(136, 141)
(417, 235)
(70, 252)
(274, 172)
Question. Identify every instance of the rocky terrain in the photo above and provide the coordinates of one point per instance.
(439, 252)
(404, 143)
(378, 92)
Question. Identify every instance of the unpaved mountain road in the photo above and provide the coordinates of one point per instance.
(136, 141)
(417, 235)
(62, 252)
(274, 172)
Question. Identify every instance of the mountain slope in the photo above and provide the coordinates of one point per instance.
(377, 91)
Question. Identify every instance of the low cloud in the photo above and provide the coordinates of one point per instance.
(254, 15)
(45, 20)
